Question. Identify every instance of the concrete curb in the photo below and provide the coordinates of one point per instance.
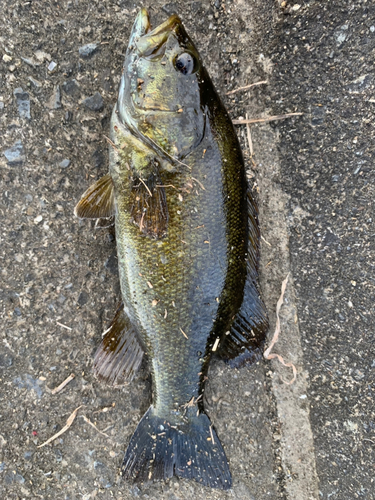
(296, 440)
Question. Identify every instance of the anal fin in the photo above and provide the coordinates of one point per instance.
(97, 201)
(119, 355)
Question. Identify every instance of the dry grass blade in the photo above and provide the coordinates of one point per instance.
(212, 436)
(266, 242)
(249, 139)
(247, 87)
(111, 143)
(267, 353)
(94, 426)
(145, 185)
(64, 326)
(199, 183)
(166, 186)
(64, 429)
(183, 333)
(265, 120)
(63, 384)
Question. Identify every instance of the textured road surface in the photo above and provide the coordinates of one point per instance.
(59, 284)
(324, 66)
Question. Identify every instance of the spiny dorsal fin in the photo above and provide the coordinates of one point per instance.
(254, 235)
(149, 209)
(119, 354)
(97, 201)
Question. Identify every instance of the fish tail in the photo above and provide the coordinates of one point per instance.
(159, 450)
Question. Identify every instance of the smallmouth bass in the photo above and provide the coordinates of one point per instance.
(187, 241)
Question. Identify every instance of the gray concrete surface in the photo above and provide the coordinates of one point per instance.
(315, 187)
(323, 57)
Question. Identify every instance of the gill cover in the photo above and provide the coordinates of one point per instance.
(160, 95)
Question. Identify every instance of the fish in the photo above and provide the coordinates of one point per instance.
(187, 237)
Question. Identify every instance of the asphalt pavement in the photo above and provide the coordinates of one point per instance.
(323, 58)
(313, 178)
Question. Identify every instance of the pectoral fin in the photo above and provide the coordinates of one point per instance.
(119, 355)
(97, 201)
(149, 209)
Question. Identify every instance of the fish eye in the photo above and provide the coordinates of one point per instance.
(185, 63)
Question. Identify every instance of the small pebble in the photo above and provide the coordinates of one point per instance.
(17, 311)
(71, 87)
(35, 83)
(23, 102)
(88, 49)
(82, 298)
(95, 102)
(42, 56)
(15, 154)
(55, 99)
(52, 66)
(30, 61)
(7, 58)
(65, 163)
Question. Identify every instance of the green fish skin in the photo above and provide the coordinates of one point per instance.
(187, 240)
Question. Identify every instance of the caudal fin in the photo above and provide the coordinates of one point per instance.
(159, 450)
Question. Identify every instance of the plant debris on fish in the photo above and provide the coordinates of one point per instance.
(187, 241)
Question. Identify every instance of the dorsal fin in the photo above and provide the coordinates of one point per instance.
(119, 354)
(244, 342)
(97, 201)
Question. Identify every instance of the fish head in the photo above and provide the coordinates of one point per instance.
(160, 89)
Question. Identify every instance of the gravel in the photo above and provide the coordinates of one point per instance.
(95, 102)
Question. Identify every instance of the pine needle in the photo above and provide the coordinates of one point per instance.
(249, 139)
(199, 183)
(111, 143)
(247, 87)
(265, 120)
(145, 185)
(94, 426)
(183, 333)
(63, 384)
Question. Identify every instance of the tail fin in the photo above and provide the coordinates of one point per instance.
(159, 450)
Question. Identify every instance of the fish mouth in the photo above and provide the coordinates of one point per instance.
(151, 43)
